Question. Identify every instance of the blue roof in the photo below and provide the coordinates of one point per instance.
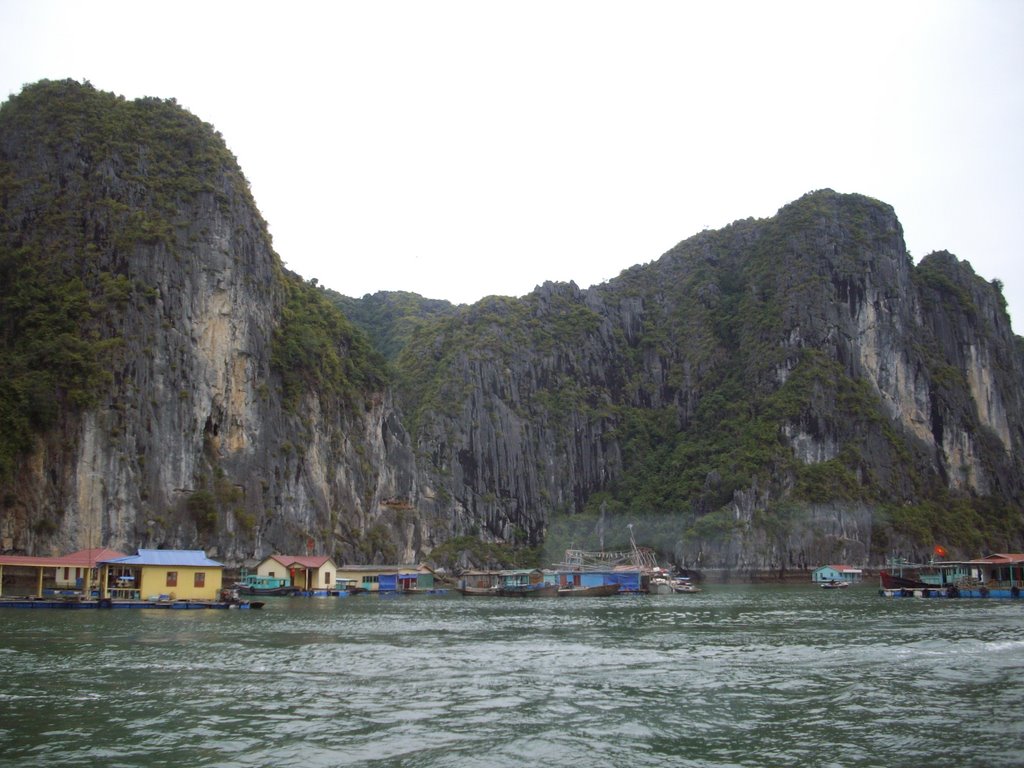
(168, 557)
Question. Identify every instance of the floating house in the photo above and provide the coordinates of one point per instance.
(387, 578)
(163, 574)
(841, 573)
(479, 580)
(997, 575)
(628, 578)
(525, 577)
(77, 572)
(308, 573)
(998, 570)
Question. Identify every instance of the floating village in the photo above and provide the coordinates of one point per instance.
(188, 579)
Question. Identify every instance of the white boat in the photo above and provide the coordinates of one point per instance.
(834, 584)
(659, 585)
(683, 586)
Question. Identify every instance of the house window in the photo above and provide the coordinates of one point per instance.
(271, 574)
(200, 580)
(172, 578)
(67, 574)
(327, 577)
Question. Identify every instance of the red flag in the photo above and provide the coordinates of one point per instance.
(940, 550)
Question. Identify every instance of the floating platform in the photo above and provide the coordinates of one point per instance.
(953, 593)
(107, 603)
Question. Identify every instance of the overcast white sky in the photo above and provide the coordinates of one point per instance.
(463, 149)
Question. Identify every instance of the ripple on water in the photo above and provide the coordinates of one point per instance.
(734, 676)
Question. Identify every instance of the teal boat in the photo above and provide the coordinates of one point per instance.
(267, 586)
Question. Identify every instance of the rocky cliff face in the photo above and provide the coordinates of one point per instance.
(776, 394)
(188, 442)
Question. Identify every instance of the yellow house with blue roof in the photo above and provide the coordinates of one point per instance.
(168, 574)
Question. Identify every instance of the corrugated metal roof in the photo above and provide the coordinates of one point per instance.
(841, 568)
(82, 558)
(168, 557)
(90, 556)
(38, 562)
(998, 558)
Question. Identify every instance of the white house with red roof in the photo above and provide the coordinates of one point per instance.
(309, 573)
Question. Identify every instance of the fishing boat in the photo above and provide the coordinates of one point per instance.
(529, 590)
(266, 586)
(902, 574)
(600, 590)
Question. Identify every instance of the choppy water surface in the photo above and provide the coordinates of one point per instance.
(735, 676)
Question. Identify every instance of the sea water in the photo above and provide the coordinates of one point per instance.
(733, 676)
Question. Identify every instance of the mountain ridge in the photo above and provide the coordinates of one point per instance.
(777, 393)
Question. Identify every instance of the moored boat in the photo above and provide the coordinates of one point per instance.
(659, 585)
(834, 584)
(265, 586)
(683, 586)
(529, 590)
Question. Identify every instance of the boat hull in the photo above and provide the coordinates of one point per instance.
(892, 581)
(273, 592)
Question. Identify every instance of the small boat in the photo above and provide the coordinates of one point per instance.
(833, 584)
(683, 586)
(600, 590)
(478, 591)
(266, 586)
(542, 589)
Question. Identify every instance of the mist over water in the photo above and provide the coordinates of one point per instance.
(734, 676)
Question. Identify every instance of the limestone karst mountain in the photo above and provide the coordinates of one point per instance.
(779, 392)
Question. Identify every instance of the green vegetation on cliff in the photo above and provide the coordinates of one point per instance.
(84, 177)
(317, 349)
